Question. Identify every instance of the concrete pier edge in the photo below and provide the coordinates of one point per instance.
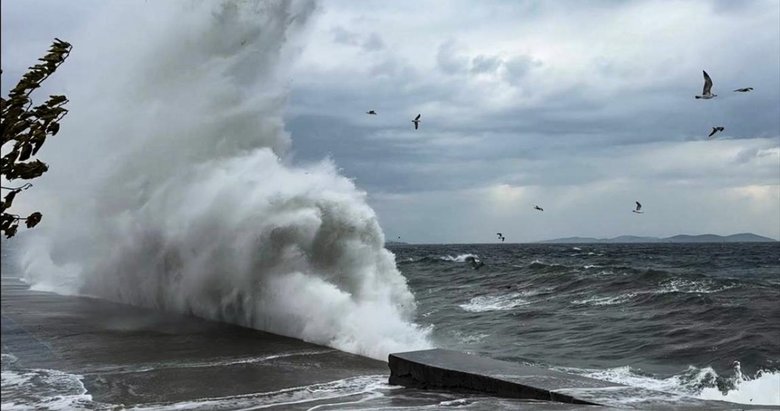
(415, 374)
(458, 371)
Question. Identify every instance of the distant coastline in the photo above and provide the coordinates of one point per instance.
(628, 239)
(680, 238)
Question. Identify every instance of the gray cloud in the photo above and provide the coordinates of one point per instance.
(582, 106)
(344, 36)
(448, 59)
(371, 42)
(484, 64)
(451, 59)
(517, 67)
(605, 105)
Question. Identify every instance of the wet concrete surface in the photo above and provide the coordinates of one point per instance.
(131, 357)
(446, 369)
(66, 352)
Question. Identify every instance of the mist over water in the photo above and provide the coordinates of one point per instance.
(170, 187)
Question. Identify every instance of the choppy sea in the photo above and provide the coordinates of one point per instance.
(699, 320)
(695, 319)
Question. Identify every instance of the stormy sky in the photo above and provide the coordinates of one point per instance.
(579, 107)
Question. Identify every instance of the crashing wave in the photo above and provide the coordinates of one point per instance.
(189, 203)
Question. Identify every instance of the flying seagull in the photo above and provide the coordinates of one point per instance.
(707, 91)
(371, 112)
(476, 264)
(536, 207)
(744, 90)
(416, 121)
(715, 130)
(638, 207)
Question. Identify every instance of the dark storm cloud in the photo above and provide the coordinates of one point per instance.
(358, 150)
(581, 103)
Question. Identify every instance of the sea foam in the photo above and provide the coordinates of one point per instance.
(171, 186)
(761, 389)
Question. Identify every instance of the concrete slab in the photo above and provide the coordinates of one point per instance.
(124, 356)
(445, 369)
(130, 355)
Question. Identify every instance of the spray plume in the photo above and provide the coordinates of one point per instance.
(170, 188)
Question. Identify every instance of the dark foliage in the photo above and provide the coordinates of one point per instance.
(25, 128)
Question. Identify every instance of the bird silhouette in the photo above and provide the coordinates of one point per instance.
(715, 130)
(416, 121)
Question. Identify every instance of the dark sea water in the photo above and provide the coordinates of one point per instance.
(699, 320)
(702, 319)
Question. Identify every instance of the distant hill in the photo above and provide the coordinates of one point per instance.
(712, 238)
(395, 243)
(681, 238)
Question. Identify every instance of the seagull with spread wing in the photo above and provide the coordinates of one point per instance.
(476, 263)
(715, 130)
(638, 208)
(416, 121)
(707, 91)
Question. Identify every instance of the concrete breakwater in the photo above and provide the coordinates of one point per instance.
(129, 355)
(118, 355)
(446, 369)
(440, 368)
(66, 352)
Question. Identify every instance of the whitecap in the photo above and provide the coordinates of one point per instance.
(460, 258)
(465, 338)
(762, 389)
(455, 403)
(606, 300)
(43, 389)
(692, 287)
(494, 303)
(362, 388)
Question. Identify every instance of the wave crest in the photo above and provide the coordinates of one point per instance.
(193, 207)
(702, 383)
(500, 302)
